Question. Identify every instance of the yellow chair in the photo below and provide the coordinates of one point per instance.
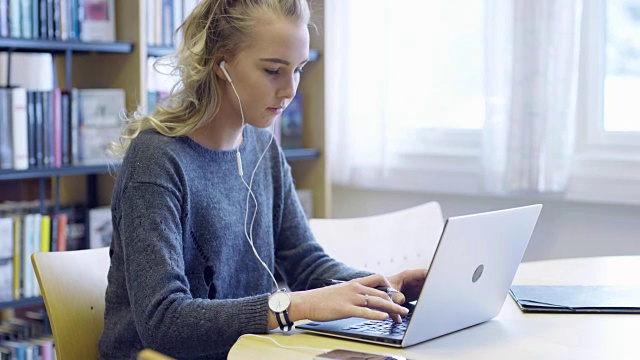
(73, 285)
(386, 244)
(148, 354)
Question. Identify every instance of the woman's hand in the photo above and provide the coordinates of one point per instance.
(355, 298)
(409, 283)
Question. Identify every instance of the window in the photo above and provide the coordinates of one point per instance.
(413, 96)
(622, 71)
(611, 77)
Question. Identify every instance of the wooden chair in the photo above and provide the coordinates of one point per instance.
(148, 354)
(73, 285)
(385, 244)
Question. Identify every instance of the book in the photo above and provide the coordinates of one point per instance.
(6, 140)
(61, 235)
(6, 259)
(45, 234)
(25, 19)
(100, 228)
(18, 232)
(291, 124)
(33, 71)
(97, 22)
(19, 128)
(27, 250)
(577, 299)
(100, 122)
(4, 18)
(15, 30)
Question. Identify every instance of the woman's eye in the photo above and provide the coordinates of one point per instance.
(272, 72)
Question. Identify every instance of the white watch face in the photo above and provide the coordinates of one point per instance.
(279, 301)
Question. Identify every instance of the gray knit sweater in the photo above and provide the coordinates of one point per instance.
(183, 278)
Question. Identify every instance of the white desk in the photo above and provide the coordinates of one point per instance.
(512, 334)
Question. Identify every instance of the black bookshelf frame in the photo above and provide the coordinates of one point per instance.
(60, 47)
(95, 169)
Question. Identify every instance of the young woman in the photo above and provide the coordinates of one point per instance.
(204, 208)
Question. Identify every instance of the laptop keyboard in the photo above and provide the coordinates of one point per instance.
(381, 327)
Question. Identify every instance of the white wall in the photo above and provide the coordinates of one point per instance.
(565, 229)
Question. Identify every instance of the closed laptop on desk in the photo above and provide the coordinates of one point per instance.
(467, 284)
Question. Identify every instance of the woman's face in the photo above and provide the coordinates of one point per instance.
(266, 71)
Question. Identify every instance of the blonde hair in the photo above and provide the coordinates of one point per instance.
(214, 28)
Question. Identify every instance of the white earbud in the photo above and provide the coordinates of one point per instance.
(226, 74)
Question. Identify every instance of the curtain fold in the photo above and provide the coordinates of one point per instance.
(532, 70)
(398, 79)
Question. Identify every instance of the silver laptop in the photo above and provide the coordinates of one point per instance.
(467, 284)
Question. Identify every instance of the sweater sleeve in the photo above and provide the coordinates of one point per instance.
(167, 317)
(299, 257)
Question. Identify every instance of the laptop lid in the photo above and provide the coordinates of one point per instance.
(468, 280)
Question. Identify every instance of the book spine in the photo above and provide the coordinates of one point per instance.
(63, 221)
(35, 247)
(4, 18)
(57, 127)
(44, 34)
(17, 256)
(75, 126)
(15, 29)
(45, 234)
(35, 19)
(50, 20)
(25, 16)
(76, 14)
(39, 128)
(167, 22)
(65, 127)
(6, 259)
(19, 128)
(157, 23)
(64, 20)
(57, 20)
(98, 20)
(53, 243)
(6, 141)
(31, 127)
(27, 245)
(178, 16)
(150, 21)
(46, 129)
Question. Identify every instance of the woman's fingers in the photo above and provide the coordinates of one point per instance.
(377, 304)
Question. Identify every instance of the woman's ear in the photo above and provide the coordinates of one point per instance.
(221, 71)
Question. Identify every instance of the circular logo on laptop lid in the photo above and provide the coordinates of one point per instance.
(477, 273)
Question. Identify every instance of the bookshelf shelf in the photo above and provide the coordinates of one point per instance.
(158, 51)
(16, 304)
(301, 154)
(35, 173)
(56, 46)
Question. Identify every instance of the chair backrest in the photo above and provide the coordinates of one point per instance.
(149, 354)
(73, 285)
(385, 244)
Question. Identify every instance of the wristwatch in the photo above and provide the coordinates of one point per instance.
(279, 303)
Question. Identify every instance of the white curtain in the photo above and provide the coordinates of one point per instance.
(532, 68)
(400, 75)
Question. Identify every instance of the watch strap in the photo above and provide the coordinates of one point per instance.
(283, 321)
